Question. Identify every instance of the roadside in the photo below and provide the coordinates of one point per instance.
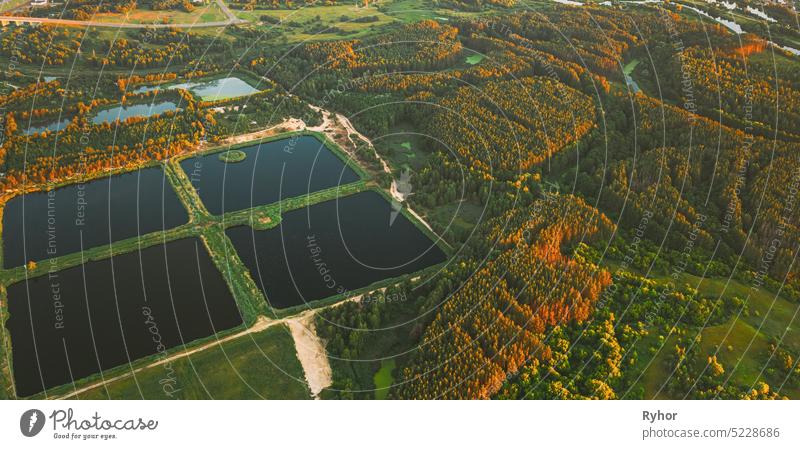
(231, 20)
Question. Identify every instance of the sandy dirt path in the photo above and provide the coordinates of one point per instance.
(311, 352)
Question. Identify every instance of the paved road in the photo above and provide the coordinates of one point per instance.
(232, 19)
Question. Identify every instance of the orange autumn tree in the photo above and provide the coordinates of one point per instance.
(496, 322)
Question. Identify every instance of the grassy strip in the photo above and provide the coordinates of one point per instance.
(269, 216)
(6, 378)
(14, 275)
(248, 297)
(245, 292)
(186, 192)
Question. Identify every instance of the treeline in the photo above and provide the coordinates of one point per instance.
(83, 9)
(82, 148)
(44, 44)
(156, 48)
(87, 9)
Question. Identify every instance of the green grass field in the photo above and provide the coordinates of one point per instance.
(260, 365)
(384, 378)
(11, 4)
(409, 10)
(628, 69)
(739, 347)
(653, 365)
(474, 59)
(201, 14)
(319, 22)
(459, 216)
(416, 10)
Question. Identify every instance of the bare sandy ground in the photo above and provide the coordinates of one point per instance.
(311, 352)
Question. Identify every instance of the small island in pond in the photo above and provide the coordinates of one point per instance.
(232, 156)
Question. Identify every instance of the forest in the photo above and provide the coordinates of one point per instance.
(694, 169)
(607, 226)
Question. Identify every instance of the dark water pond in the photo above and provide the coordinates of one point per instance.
(270, 172)
(331, 248)
(52, 126)
(135, 110)
(43, 225)
(79, 321)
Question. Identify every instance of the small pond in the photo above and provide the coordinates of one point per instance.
(52, 126)
(135, 110)
(218, 89)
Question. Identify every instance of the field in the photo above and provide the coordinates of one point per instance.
(474, 59)
(319, 22)
(11, 4)
(630, 66)
(410, 10)
(201, 14)
(384, 379)
(458, 217)
(260, 365)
